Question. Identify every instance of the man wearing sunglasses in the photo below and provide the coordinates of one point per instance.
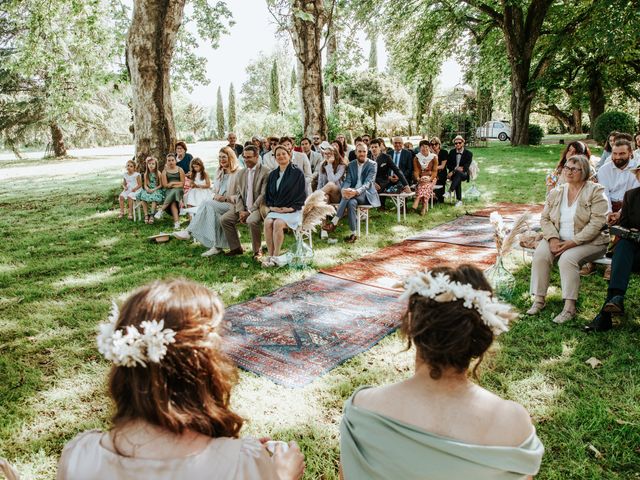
(458, 167)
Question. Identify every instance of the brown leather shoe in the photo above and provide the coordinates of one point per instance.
(351, 239)
(329, 227)
(258, 256)
(587, 269)
(607, 273)
(234, 252)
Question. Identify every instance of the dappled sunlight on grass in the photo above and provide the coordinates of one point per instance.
(108, 242)
(568, 349)
(88, 279)
(537, 392)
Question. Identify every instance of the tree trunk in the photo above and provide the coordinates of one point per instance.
(577, 120)
(57, 139)
(150, 45)
(306, 36)
(520, 111)
(597, 100)
(332, 58)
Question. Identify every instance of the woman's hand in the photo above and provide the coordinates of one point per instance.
(554, 245)
(220, 198)
(564, 246)
(290, 464)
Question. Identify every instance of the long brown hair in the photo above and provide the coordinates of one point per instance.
(203, 174)
(190, 388)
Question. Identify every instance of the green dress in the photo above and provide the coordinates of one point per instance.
(156, 196)
(374, 446)
(173, 194)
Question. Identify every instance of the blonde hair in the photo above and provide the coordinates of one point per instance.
(233, 160)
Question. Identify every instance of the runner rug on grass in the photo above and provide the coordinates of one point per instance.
(305, 329)
(511, 211)
(466, 230)
(387, 267)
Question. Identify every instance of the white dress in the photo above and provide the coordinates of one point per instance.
(196, 196)
(131, 182)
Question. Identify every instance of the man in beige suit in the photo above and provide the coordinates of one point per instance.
(250, 192)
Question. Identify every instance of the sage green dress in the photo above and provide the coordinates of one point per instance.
(374, 446)
(173, 194)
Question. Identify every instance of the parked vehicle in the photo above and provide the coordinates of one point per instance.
(494, 129)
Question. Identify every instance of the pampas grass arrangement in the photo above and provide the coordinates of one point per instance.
(505, 241)
(315, 210)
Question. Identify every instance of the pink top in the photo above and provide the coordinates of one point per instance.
(84, 458)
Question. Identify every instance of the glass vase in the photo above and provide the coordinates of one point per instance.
(501, 279)
(303, 254)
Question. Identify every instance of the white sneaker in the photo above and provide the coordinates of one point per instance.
(158, 214)
(211, 251)
(182, 235)
(324, 234)
(176, 225)
(458, 203)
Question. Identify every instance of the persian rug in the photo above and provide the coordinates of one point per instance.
(511, 211)
(386, 268)
(307, 328)
(469, 230)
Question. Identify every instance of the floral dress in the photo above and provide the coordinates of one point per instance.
(156, 196)
(424, 190)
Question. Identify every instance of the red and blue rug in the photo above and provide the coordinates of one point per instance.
(305, 329)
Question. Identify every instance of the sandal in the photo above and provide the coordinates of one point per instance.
(121, 215)
(536, 308)
(564, 316)
(151, 218)
(130, 217)
(146, 218)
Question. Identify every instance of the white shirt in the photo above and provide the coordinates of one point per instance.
(360, 167)
(269, 161)
(250, 175)
(616, 182)
(566, 217)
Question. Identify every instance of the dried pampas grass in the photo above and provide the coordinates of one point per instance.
(315, 210)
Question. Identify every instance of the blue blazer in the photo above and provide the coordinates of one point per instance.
(367, 180)
(406, 163)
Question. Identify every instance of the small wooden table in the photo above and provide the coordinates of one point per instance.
(400, 201)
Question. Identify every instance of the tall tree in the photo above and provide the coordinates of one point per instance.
(331, 71)
(220, 114)
(305, 21)
(255, 93)
(231, 109)
(373, 49)
(274, 89)
(293, 85)
(151, 44)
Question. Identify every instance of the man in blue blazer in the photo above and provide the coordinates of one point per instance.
(358, 188)
(403, 159)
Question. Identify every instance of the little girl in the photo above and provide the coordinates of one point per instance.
(425, 171)
(152, 191)
(131, 183)
(173, 183)
(200, 185)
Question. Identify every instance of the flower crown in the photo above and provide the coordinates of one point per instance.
(442, 289)
(132, 348)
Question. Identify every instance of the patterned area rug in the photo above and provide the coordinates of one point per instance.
(389, 266)
(465, 230)
(511, 211)
(305, 329)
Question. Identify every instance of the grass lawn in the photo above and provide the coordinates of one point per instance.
(65, 255)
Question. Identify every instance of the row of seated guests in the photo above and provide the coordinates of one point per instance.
(172, 388)
(580, 204)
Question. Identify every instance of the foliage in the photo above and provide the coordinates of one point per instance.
(191, 120)
(219, 115)
(457, 123)
(536, 132)
(347, 118)
(255, 93)
(232, 118)
(613, 121)
(265, 124)
(274, 90)
(394, 123)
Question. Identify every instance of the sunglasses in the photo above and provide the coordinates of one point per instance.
(433, 144)
(457, 143)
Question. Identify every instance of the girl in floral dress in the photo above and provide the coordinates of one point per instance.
(152, 192)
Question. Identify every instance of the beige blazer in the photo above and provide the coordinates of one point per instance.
(590, 217)
(260, 178)
(231, 186)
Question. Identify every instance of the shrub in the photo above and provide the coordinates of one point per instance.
(553, 129)
(535, 134)
(586, 127)
(612, 121)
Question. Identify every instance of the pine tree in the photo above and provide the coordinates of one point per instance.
(274, 90)
(231, 109)
(220, 115)
(373, 52)
(294, 81)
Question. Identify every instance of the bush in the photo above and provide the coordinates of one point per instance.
(612, 121)
(586, 127)
(453, 124)
(553, 129)
(535, 134)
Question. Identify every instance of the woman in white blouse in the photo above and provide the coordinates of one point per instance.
(331, 174)
(573, 219)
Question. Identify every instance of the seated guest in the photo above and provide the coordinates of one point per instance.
(606, 151)
(555, 177)
(171, 383)
(251, 187)
(183, 159)
(300, 160)
(331, 173)
(314, 156)
(232, 138)
(340, 151)
(173, 183)
(636, 152)
(317, 140)
(443, 157)
(200, 184)
(458, 167)
(358, 188)
(286, 193)
(205, 226)
(389, 178)
(626, 259)
(572, 221)
(403, 159)
(342, 140)
(425, 174)
(268, 158)
(352, 153)
(438, 424)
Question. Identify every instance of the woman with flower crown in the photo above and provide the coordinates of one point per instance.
(438, 424)
(171, 386)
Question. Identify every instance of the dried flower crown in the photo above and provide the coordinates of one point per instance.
(133, 347)
(442, 289)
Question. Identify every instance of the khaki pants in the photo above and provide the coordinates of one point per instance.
(229, 221)
(569, 264)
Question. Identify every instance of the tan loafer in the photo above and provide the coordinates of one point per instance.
(564, 316)
(536, 308)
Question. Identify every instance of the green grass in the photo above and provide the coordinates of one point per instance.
(64, 256)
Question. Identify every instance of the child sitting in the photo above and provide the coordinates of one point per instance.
(131, 183)
(200, 185)
(173, 183)
(152, 191)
